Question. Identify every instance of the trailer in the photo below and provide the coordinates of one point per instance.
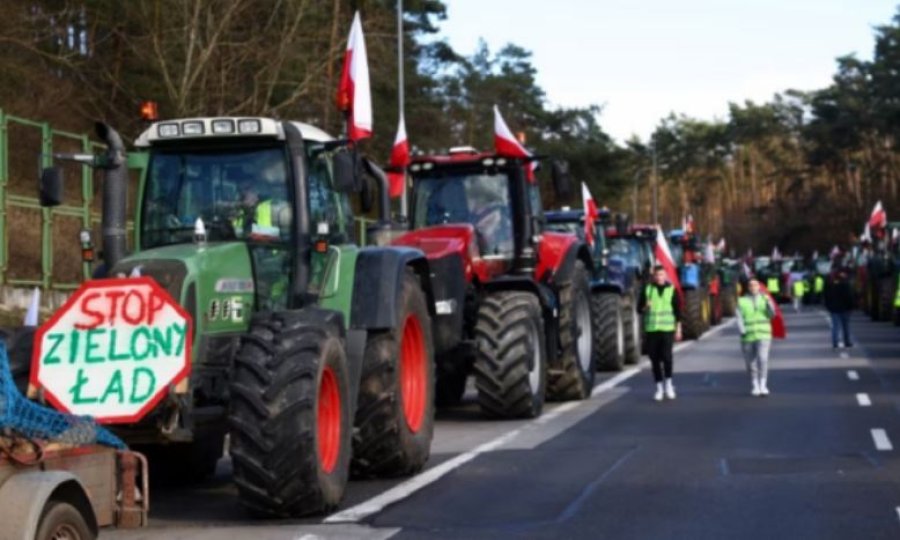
(60, 491)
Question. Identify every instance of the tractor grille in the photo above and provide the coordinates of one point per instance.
(169, 274)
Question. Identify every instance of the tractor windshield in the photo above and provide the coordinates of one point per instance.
(480, 199)
(623, 249)
(239, 194)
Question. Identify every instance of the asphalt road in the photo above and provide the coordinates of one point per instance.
(808, 461)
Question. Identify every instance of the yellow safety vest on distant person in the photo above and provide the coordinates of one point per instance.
(756, 318)
(799, 288)
(819, 285)
(773, 285)
(263, 217)
(660, 316)
(897, 294)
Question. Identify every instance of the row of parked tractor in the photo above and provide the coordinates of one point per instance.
(321, 359)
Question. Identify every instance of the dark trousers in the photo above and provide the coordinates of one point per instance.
(659, 349)
(840, 323)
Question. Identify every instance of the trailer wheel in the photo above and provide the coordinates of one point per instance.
(395, 411)
(609, 331)
(289, 416)
(574, 380)
(19, 344)
(62, 521)
(511, 360)
(632, 326)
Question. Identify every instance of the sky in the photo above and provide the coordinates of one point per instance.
(642, 59)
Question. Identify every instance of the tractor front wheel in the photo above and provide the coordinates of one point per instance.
(609, 331)
(511, 359)
(289, 415)
(695, 301)
(632, 327)
(395, 412)
(574, 379)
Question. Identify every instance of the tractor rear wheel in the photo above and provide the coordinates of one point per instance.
(19, 344)
(693, 324)
(632, 328)
(574, 379)
(395, 412)
(511, 360)
(289, 415)
(609, 331)
(729, 301)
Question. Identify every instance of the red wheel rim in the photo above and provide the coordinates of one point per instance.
(413, 374)
(329, 416)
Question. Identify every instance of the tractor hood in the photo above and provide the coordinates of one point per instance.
(213, 282)
(440, 240)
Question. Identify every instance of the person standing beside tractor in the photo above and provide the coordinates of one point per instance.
(661, 306)
(798, 290)
(839, 302)
(754, 315)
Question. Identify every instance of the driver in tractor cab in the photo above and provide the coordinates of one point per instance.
(261, 208)
(490, 215)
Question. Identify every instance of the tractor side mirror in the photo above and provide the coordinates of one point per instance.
(51, 187)
(345, 172)
(562, 181)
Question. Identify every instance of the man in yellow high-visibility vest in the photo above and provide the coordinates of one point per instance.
(661, 307)
(754, 314)
(799, 289)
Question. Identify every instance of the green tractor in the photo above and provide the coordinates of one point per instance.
(313, 354)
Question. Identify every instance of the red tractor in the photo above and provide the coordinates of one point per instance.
(512, 300)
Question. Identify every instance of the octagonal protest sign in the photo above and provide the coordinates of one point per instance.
(113, 350)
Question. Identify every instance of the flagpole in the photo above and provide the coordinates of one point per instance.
(400, 91)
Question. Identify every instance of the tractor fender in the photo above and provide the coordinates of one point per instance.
(23, 497)
(377, 283)
(449, 284)
(563, 270)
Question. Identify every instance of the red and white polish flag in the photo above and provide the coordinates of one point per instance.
(506, 144)
(878, 219)
(399, 161)
(590, 214)
(354, 95)
(664, 258)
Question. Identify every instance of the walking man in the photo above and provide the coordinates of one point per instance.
(799, 289)
(754, 315)
(839, 302)
(662, 322)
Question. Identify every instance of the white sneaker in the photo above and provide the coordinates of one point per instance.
(763, 389)
(670, 389)
(658, 396)
(756, 390)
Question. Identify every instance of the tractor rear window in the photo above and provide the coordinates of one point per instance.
(481, 200)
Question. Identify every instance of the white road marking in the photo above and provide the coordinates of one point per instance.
(882, 442)
(863, 400)
(405, 489)
(845, 355)
(852, 375)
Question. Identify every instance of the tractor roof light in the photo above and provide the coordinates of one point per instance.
(487, 162)
(222, 126)
(249, 126)
(501, 162)
(149, 111)
(192, 128)
(168, 130)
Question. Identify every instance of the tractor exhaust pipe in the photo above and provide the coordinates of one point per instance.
(115, 196)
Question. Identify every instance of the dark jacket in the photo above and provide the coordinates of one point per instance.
(838, 295)
(676, 301)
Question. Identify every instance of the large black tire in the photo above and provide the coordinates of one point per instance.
(609, 331)
(715, 309)
(19, 344)
(632, 328)
(62, 520)
(729, 301)
(289, 415)
(450, 381)
(574, 378)
(693, 324)
(885, 299)
(394, 421)
(511, 359)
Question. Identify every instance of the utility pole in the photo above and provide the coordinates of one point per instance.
(400, 90)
